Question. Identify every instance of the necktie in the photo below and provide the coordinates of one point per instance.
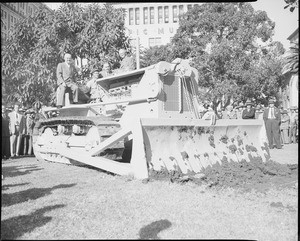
(272, 113)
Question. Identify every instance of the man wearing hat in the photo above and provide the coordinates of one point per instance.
(249, 112)
(16, 129)
(272, 118)
(97, 92)
(29, 130)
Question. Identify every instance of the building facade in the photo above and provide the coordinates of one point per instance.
(153, 23)
(13, 11)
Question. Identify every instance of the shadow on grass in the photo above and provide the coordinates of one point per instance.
(5, 187)
(15, 227)
(30, 194)
(14, 171)
(151, 230)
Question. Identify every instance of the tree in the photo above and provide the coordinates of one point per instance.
(291, 59)
(155, 54)
(291, 4)
(38, 44)
(222, 40)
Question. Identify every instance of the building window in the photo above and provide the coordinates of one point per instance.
(154, 42)
(181, 9)
(166, 10)
(189, 7)
(12, 19)
(151, 15)
(175, 14)
(4, 14)
(130, 16)
(137, 16)
(145, 15)
(160, 15)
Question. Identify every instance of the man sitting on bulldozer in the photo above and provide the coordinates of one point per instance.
(97, 92)
(66, 74)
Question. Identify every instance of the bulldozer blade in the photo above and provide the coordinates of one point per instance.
(193, 145)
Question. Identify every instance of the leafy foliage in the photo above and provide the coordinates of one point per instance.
(156, 54)
(292, 59)
(291, 4)
(222, 40)
(38, 43)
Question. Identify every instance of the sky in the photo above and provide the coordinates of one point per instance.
(285, 21)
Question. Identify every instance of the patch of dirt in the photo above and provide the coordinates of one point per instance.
(255, 174)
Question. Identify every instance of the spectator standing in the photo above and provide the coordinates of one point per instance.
(229, 113)
(127, 63)
(249, 112)
(17, 126)
(5, 134)
(259, 112)
(284, 127)
(29, 130)
(239, 110)
(97, 92)
(66, 78)
(272, 120)
(210, 115)
(293, 124)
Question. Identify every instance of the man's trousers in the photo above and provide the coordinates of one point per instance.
(273, 132)
(61, 93)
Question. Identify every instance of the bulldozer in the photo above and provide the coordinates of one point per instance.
(151, 122)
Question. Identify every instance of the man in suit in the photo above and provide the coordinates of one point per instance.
(16, 129)
(272, 118)
(66, 74)
(5, 133)
(249, 112)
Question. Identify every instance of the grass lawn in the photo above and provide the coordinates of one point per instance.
(42, 200)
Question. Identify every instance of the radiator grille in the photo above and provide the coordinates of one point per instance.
(175, 94)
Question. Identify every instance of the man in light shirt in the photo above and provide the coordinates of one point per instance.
(17, 126)
(97, 92)
(272, 118)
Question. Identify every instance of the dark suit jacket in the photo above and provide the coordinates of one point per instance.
(65, 74)
(248, 114)
(276, 113)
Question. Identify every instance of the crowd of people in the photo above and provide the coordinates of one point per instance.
(17, 129)
(281, 124)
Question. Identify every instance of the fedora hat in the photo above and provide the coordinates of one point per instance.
(271, 101)
(293, 107)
